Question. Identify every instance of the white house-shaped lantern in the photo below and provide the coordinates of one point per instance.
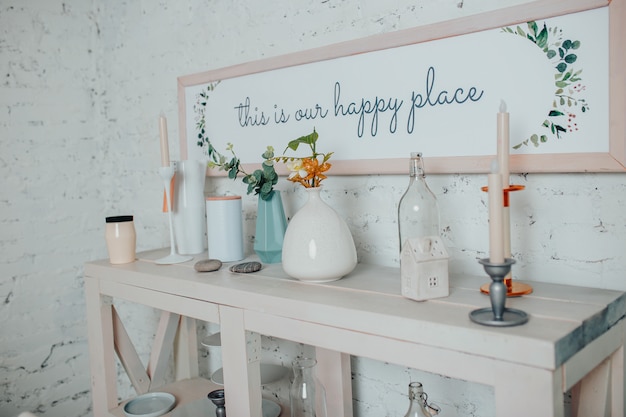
(424, 268)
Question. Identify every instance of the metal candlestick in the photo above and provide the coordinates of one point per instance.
(498, 315)
(217, 397)
(167, 173)
(513, 288)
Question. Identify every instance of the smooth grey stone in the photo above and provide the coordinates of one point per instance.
(246, 267)
(208, 265)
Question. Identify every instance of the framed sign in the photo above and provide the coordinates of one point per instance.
(558, 68)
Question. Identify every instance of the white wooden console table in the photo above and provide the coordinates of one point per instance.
(573, 340)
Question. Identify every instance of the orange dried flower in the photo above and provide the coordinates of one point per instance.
(308, 171)
(313, 170)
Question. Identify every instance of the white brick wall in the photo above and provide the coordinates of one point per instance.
(81, 87)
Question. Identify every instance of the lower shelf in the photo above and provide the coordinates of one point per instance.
(187, 391)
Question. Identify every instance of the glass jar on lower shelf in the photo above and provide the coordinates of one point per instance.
(418, 406)
(307, 396)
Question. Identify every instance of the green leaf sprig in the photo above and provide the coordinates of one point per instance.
(261, 181)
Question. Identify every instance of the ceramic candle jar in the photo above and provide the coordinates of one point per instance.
(121, 239)
(225, 228)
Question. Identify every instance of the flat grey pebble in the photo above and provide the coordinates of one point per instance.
(246, 267)
(208, 265)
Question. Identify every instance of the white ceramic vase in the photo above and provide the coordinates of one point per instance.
(318, 245)
(188, 208)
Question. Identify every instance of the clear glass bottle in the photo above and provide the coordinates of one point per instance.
(307, 396)
(418, 406)
(418, 213)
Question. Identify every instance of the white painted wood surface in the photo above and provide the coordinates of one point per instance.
(571, 331)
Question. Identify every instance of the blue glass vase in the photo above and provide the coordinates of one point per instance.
(271, 225)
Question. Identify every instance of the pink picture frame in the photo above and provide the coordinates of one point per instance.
(612, 161)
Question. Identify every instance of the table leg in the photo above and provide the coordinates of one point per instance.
(101, 349)
(601, 391)
(591, 394)
(523, 391)
(186, 349)
(241, 355)
(334, 373)
(618, 407)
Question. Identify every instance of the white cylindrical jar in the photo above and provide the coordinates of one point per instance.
(121, 239)
(188, 207)
(225, 228)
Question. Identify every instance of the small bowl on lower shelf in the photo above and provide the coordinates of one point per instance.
(152, 404)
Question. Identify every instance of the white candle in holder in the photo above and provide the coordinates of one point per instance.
(496, 231)
(165, 150)
(503, 143)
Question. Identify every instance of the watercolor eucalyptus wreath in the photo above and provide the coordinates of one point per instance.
(561, 118)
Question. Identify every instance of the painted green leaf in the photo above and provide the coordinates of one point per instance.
(561, 84)
(561, 67)
(551, 53)
(570, 59)
(554, 113)
(575, 44)
(542, 38)
(534, 139)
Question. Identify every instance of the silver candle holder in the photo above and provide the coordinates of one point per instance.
(498, 315)
(217, 397)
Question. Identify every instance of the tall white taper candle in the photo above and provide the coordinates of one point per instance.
(496, 235)
(503, 143)
(503, 162)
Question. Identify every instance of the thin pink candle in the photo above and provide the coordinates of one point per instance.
(496, 231)
(165, 150)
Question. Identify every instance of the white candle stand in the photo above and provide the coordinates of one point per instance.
(167, 173)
